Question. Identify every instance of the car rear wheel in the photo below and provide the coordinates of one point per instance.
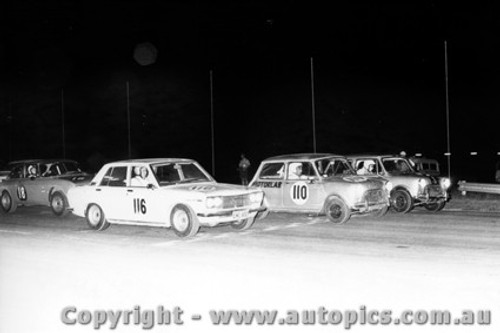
(337, 211)
(435, 206)
(183, 221)
(95, 218)
(7, 205)
(243, 224)
(401, 201)
(59, 204)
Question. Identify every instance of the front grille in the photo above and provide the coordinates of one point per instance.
(434, 190)
(374, 196)
(237, 201)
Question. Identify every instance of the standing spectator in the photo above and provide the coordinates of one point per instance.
(243, 167)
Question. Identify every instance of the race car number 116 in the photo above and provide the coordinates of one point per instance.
(140, 206)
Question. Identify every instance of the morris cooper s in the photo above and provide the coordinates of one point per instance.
(170, 192)
(320, 183)
(410, 188)
(40, 182)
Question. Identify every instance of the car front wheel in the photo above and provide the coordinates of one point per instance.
(184, 223)
(95, 218)
(435, 206)
(381, 212)
(58, 204)
(401, 201)
(337, 211)
(7, 205)
(243, 224)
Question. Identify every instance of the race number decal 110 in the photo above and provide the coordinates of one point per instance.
(299, 192)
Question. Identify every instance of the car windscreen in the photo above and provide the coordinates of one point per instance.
(397, 166)
(331, 167)
(71, 167)
(173, 173)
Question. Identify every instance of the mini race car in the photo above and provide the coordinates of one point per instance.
(410, 188)
(40, 182)
(169, 192)
(320, 183)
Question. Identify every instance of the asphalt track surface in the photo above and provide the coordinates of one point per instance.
(419, 261)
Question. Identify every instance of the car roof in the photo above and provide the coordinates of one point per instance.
(152, 160)
(43, 160)
(373, 156)
(424, 160)
(301, 156)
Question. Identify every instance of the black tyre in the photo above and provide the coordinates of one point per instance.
(337, 211)
(59, 204)
(381, 212)
(401, 201)
(243, 224)
(435, 206)
(6, 203)
(183, 221)
(95, 218)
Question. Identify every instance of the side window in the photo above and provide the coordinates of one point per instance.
(308, 170)
(300, 170)
(367, 167)
(115, 177)
(272, 171)
(16, 172)
(32, 170)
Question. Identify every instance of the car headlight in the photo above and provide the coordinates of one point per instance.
(389, 186)
(445, 183)
(214, 202)
(256, 198)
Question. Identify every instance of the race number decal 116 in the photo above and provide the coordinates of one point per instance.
(299, 192)
(140, 206)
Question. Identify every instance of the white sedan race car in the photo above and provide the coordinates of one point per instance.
(176, 193)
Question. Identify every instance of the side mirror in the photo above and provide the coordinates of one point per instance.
(151, 187)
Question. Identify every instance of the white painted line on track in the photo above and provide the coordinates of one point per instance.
(16, 232)
(167, 244)
(272, 228)
(221, 236)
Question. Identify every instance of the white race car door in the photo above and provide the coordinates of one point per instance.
(111, 193)
(303, 192)
(270, 179)
(143, 199)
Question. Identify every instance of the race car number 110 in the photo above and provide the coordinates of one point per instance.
(299, 193)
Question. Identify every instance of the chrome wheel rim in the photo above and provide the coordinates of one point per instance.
(5, 202)
(57, 203)
(180, 220)
(94, 215)
(335, 211)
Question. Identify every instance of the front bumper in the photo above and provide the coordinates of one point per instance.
(214, 218)
(363, 208)
(432, 194)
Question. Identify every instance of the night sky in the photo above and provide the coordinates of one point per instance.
(379, 80)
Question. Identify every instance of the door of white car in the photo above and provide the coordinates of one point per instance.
(302, 192)
(143, 201)
(270, 180)
(111, 193)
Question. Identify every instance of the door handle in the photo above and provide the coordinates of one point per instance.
(98, 190)
(130, 191)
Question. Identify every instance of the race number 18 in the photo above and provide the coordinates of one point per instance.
(140, 206)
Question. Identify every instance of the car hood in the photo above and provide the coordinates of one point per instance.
(209, 188)
(77, 178)
(369, 182)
